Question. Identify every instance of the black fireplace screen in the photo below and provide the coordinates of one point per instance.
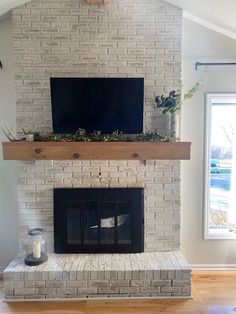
(98, 220)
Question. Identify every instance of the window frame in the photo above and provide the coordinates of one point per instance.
(210, 100)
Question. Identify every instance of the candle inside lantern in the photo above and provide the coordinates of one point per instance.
(29, 137)
(36, 249)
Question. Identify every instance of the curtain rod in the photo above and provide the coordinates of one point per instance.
(199, 64)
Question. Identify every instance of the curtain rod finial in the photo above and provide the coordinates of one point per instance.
(197, 65)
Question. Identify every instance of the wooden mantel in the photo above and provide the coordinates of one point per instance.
(96, 150)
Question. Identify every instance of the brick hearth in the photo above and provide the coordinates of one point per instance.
(154, 275)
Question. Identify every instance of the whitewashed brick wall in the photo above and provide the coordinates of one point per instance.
(133, 38)
(160, 180)
(124, 38)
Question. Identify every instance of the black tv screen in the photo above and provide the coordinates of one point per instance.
(102, 104)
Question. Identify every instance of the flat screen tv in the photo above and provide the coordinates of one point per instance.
(102, 104)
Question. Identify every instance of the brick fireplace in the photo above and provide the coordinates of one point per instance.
(69, 38)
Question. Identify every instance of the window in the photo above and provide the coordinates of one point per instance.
(220, 167)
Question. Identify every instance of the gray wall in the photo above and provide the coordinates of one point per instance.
(8, 187)
(200, 44)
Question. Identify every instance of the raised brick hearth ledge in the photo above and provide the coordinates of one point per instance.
(145, 275)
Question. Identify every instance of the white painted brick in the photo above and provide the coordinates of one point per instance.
(55, 284)
(120, 20)
(135, 38)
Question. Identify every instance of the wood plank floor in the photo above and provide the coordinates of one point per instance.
(214, 292)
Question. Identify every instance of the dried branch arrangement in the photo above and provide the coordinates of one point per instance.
(9, 134)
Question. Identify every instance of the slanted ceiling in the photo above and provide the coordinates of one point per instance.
(7, 5)
(216, 15)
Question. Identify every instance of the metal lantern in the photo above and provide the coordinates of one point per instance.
(36, 247)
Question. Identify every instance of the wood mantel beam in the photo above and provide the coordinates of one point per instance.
(96, 150)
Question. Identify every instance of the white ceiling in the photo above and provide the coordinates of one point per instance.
(6, 5)
(218, 15)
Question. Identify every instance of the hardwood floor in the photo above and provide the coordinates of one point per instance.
(214, 292)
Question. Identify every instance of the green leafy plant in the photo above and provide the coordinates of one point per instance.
(97, 136)
(80, 135)
(172, 103)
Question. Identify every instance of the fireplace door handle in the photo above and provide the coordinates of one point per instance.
(81, 230)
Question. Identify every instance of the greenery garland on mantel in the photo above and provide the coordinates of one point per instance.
(82, 136)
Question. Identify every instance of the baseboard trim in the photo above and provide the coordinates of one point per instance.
(213, 266)
(101, 299)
